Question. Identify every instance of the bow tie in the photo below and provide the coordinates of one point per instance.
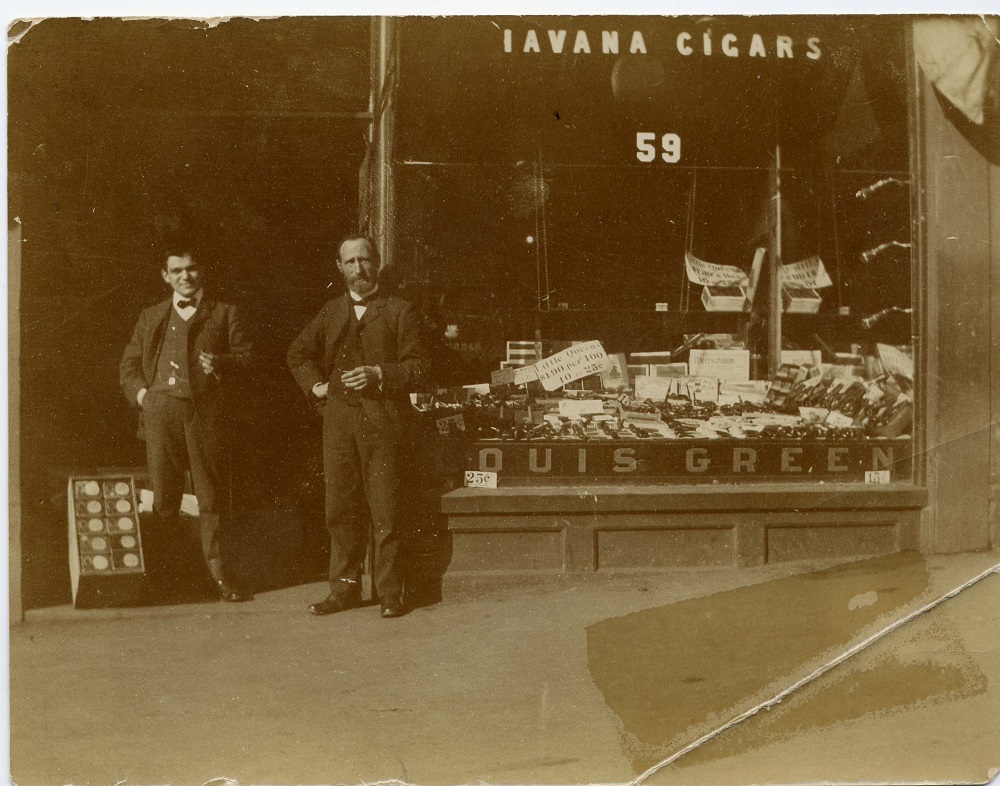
(187, 304)
(365, 301)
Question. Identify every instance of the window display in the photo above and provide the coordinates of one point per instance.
(714, 211)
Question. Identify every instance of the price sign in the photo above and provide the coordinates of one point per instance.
(807, 273)
(501, 377)
(446, 426)
(480, 480)
(653, 388)
(877, 477)
(524, 375)
(839, 420)
(710, 274)
(571, 364)
(569, 408)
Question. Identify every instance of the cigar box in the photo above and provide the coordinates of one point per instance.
(800, 300)
(724, 298)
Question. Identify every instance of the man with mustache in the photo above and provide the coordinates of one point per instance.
(362, 355)
(172, 370)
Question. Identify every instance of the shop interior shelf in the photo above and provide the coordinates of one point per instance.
(682, 318)
(847, 328)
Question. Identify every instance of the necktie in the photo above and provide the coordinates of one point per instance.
(187, 304)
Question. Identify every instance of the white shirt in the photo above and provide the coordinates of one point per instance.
(189, 311)
(359, 307)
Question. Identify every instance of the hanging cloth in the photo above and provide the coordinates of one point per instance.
(961, 57)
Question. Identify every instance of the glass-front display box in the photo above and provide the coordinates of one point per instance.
(704, 223)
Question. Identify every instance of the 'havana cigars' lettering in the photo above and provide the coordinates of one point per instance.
(611, 42)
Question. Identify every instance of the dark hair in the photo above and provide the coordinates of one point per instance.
(178, 248)
(359, 236)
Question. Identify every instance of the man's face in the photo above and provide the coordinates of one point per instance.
(358, 267)
(183, 275)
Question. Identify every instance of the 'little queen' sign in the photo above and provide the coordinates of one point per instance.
(580, 360)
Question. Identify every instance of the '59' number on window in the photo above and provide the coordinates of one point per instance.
(645, 149)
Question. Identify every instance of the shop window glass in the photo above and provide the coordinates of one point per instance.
(573, 193)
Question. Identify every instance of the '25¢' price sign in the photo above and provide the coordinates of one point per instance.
(645, 147)
(480, 480)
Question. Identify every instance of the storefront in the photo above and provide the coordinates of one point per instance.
(684, 268)
(781, 233)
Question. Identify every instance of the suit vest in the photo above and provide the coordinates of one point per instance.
(172, 365)
(349, 355)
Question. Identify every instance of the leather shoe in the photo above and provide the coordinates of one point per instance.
(392, 607)
(231, 594)
(332, 604)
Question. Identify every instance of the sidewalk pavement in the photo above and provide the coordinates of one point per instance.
(493, 684)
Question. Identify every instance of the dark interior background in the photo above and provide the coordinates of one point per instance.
(500, 147)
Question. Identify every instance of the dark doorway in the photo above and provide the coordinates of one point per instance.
(250, 136)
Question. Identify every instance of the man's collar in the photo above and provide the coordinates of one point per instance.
(359, 299)
(196, 297)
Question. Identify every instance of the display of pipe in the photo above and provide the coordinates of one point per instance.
(872, 253)
(871, 319)
(867, 191)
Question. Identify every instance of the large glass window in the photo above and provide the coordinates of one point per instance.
(690, 187)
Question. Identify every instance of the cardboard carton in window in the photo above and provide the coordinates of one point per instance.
(668, 369)
(800, 300)
(615, 374)
(725, 287)
(522, 351)
(724, 298)
(800, 285)
(649, 357)
(899, 423)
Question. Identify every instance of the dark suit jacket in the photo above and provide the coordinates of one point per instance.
(390, 338)
(215, 327)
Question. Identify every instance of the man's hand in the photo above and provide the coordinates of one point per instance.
(361, 377)
(320, 389)
(207, 360)
(140, 396)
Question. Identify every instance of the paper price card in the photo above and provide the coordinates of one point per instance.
(524, 375)
(501, 377)
(570, 409)
(712, 275)
(698, 388)
(580, 360)
(839, 420)
(877, 477)
(806, 273)
(452, 423)
(480, 480)
(752, 391)
(652, 388)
